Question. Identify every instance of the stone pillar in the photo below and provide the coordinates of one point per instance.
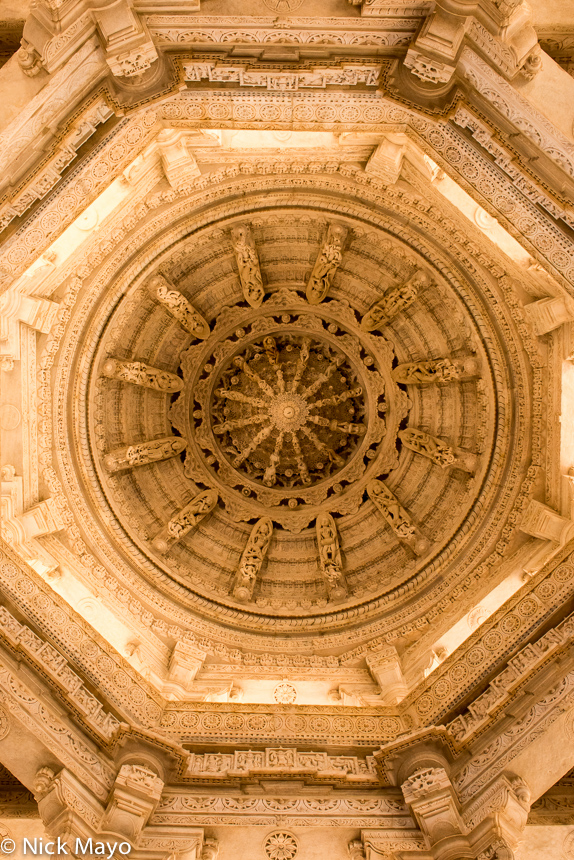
(488, 827)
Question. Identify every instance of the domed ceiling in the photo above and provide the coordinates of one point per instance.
(293, 421)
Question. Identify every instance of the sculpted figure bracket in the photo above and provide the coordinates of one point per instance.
(142, 374)
(179, 307)
(439, 371)
(252, 559)
(327, 263)
(395, 300)
(186, 520)
(423, 443)
(330, 557)
(248, 265)
(144, 453)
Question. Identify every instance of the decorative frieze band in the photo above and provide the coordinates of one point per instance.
(318, 78)
(283, 763)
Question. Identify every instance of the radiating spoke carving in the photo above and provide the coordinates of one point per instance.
(274, 384)
(144, 453)
(186, 520)
(142, 374)
(395, 300)
(330, 556)
(248, 265)
(252, 559)
(179, 307)
(326, 264)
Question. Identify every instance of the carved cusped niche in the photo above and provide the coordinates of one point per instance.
(296, 419)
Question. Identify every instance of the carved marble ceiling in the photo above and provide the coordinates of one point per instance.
(287, 329)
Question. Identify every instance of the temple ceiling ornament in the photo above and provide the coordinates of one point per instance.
(288, 318)
(240, 446)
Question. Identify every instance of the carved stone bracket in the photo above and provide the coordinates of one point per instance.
(142, 374)
(252, 558)
(179, 307)
(424, 764)
(144, 453)
(70, 812)
(395, 300)
(547, 314)
(542, 522)
(248, 265)
(54, 30)
(186, 520)
(326, 264)
(385, 667)
(135, 795)
(330, 557)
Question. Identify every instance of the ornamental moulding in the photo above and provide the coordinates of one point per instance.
(236, 110)
(166, 628)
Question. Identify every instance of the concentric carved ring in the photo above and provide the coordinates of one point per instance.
(287, 411)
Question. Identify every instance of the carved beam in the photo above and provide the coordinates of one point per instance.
(179, 307)
(186, 520)
(395, 300)
(543, 522)
(441, 370)
(326, 264)
(184, 664)
(330, 557)
(385, 667)
(437, 450)
(248, 265)
(547, 314)
(252, 559)
(144, 453)
(142, 374)
(395, 515)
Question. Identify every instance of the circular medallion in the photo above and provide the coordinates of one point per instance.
(285, 693)
(281, 845)
(288, 410)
